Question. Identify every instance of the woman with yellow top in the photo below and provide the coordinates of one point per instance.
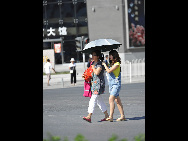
(114, 84)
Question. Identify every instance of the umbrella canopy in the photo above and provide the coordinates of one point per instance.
(102, 45)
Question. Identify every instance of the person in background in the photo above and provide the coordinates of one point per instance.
(47, 68)
(89, 61)
(72, 68)
(106, 60)
(105, 73)
(114, 84)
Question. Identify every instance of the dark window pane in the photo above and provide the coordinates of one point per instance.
(67, 12)
(68, 24)
(81, 12)
(53, 13)
(44, 12)
(46, 45)
(49, 1)
(69, 50)
(82, 23)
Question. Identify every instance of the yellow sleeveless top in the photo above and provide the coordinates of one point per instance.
(117, 71)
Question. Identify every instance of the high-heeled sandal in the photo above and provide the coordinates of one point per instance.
(86, 119)
(121, 119)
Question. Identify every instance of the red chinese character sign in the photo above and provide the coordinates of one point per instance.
(57, 48)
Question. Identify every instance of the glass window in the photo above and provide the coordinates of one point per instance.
(44, 12)
(82, 23)
(69, 50)
(46, 45)
(52, 1)
(68, 24)
(53, 13)
(136, 19)
(70, 38)
(44, 22)
(67, 12)
(44, 31)
(81, 1)
(81, 12)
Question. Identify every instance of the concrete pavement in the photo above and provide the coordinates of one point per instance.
(63, 109)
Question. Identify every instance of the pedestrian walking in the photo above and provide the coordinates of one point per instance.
(47, 68)
(72, 68)
(114, 84)
(97, 87)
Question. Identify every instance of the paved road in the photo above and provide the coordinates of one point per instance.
(63, 109)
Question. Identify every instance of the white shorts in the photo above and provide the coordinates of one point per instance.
(48, 76)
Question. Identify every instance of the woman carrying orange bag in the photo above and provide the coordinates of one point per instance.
(97, 87)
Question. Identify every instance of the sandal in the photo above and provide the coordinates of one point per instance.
(88, 120)
(105, 119)
(109, 119)
(121, 119)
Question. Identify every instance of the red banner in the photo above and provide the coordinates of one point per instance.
(57, 48)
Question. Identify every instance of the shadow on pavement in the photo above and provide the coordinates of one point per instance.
(136, 118)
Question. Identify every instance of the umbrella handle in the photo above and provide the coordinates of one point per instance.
(102, 57)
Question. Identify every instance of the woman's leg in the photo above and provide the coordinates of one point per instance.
(120, 107)
(92, 103)
(71, 78)
(112, 105)
(48, 78)
(102, 105)
(75, 77)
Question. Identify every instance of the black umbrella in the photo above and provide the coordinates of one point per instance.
(102, 45)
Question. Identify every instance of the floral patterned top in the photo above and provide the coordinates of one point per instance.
(97, 81)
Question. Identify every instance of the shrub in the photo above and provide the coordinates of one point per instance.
(80, 137)
(140, 137)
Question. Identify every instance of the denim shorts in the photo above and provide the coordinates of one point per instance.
(114, 85)
(114, 90)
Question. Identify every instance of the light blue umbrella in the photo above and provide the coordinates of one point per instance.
(102, 45)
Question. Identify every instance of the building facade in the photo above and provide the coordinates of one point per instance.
(63, 21)
(121, 20)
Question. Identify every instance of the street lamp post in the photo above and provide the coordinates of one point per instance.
(82, 47)
(62, 54)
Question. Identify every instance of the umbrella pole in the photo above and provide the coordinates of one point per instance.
(84, 60)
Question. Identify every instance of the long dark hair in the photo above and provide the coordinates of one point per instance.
(98, 53)
(116, 57)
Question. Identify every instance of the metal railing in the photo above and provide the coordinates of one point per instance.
(133, 68)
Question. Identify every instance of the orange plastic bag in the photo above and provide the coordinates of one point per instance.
(88, 74)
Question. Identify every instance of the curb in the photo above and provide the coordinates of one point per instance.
(63, 81)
